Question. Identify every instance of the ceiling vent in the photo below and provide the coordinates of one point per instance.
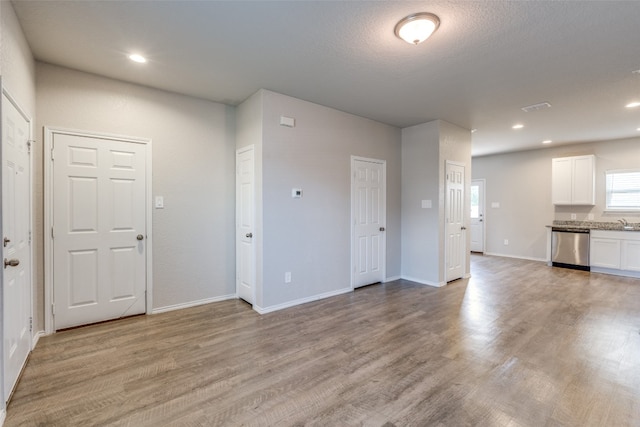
(536, 107)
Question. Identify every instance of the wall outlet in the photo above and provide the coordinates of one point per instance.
(573, 216)
(287, 277)
(506, 242)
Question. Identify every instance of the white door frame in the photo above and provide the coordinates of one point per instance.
(253, 214)
(483, 207)
(49, 132)
(32, 341)
(353, 214)
(465, 221)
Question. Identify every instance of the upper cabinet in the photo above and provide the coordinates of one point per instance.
(573, 180)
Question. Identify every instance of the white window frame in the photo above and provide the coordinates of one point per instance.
(608, 191)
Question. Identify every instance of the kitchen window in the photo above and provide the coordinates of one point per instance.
(623, 190)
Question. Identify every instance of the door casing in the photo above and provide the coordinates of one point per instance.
(49, 133)
(482, 205)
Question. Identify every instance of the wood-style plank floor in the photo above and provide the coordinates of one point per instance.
(518, 344)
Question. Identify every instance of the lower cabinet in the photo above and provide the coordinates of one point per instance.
(615, 252)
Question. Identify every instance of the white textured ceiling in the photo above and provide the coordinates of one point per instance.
(486, 61)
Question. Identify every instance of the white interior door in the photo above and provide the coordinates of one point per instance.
(369, 217)
(454, 221)
(16, 214)
(245, 217)
(99, 229)
(477, 215)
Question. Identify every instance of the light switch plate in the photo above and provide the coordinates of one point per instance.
(159, 202)
(426, 204)
(495, 205)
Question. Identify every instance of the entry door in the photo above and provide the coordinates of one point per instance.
(16, 214)
(369, 216)
(245, 217)
(477, 215)
(454, 222)
(99, 227)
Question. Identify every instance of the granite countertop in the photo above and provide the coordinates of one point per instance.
(595, 225)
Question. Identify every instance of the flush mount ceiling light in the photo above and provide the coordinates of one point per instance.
(137, 58)
(547, 141)
(417, 28)
(633, 104)
(518, 126)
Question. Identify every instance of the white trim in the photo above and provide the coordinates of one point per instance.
(49, 131)
(484, 211)
(392, 279)
(424, 282)
(3, 415)
(615, 272)
(193, 303)
(293, 303)
(35, 338)
(383, 163)
(516, 257)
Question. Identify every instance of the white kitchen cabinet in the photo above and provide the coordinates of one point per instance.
(573, 180)
(604, 253)
(615, 252)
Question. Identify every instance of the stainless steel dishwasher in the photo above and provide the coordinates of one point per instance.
(570, 248)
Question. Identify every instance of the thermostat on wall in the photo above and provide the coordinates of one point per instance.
(296, 193)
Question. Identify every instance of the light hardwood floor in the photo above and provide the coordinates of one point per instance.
(518, 344)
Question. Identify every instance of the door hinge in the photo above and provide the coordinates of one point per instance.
(29, 237)
(52, 235)
(30, 324)
(53, 309)
(29, 143)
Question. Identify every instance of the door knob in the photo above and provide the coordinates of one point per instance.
(381, 228)
(11, 262)
(140, 237)
(249, 235)
(463, 228)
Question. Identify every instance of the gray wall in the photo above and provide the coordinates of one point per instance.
(193, 168)
(17, 74)
(311, 236)
(521, 183)
(425, 150)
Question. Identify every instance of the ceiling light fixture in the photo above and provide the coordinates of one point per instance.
(137, 58)
(547, 141)
(416, 28)
(518, 126)
(633, 104)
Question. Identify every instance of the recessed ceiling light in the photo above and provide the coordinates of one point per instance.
(417, 28)
(547, 141)
(518, 126)
(474, 130)
(137, 58)
(638, 129)
(633, 104)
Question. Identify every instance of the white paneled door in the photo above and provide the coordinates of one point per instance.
(369, 217)
(455, 247)
(477, 216)
(245, 217)
(16, 208)
(99, 229)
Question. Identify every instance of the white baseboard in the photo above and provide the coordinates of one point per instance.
(424, 282)
(3, 415)
(612, 271)
(516, 257)
(193, 303)
(36, 338)
(392, 278)
(288, 304)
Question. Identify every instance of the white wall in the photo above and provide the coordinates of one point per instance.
(193, 168)
(311, 236)
(425, 150)
(521, 183)
(17, 74)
